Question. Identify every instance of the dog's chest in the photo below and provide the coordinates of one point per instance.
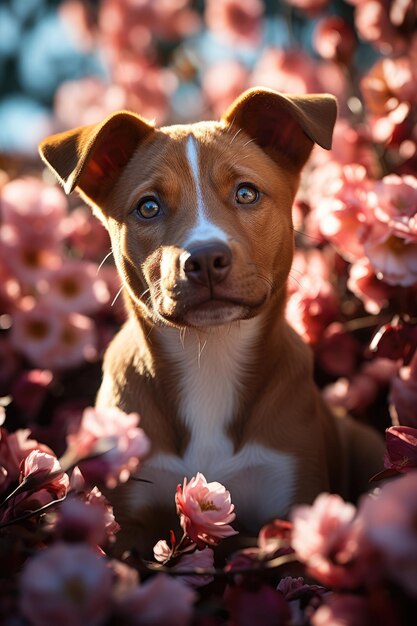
(209, 369)
(210, 376)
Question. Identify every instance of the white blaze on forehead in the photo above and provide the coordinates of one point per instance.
(204, 229)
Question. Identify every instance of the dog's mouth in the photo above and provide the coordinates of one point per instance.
(215, 311)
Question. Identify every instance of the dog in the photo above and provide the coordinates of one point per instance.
(200, 222)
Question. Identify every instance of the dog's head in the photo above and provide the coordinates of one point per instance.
(199, 215)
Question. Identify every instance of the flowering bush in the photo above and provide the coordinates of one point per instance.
(352, 295)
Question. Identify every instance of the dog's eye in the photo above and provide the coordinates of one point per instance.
(148, 208)
(246, 194)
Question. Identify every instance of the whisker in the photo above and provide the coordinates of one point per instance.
(142, 294)
(294, 279)
(117, 295)
(248, 142)
(300, 232)
(104, 260)
(235, 135)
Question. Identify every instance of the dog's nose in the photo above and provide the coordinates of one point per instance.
(209, 264)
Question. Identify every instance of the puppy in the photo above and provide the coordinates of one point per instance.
(200, 222)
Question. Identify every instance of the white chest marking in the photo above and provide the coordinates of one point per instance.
(209, 371)
(204, 229)
(261, 481)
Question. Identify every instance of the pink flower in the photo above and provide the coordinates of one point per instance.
(338, 351)
(81, 522)
(391, 244)
(75, 288)
(222, 83)
(195, 560)
(161, 601)
(205, 510)
(389, 82)
(360, 391)
(352, 144)
(124, 443)
(127, 26)
(352, 395)
(338, 199)
(334, 39)
(289, 71)
(86, 101)
(313, 303)
(328, 540)
(86, 234)
(311, 7)
(382, 26)
(25, 258)
(235, 22)
(34, 210)
(343, 610)
(66, 584)
(46, 482)
(147, 86)
(53, 341)
(14, 448)
(363, 282)
(389, 525)
(403, 395)
(393, 259)
(401, 454)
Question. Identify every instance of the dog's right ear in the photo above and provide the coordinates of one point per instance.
(91, 158)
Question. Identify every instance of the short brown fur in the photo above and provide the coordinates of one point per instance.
(264, 138)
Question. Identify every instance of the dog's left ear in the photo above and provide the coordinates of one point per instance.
(91, 158)
(285, 123)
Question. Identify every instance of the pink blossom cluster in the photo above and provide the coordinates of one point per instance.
(49, 293)
(55, 303)
(360, 551)
(352, 295)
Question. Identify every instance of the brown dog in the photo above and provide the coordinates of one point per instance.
(200, 222)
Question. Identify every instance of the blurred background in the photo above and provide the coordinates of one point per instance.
(353, 286)
(69, 62)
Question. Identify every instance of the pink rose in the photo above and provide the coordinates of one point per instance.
(205, 510)
(328, 540)
(125, 445)
(69, 585)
